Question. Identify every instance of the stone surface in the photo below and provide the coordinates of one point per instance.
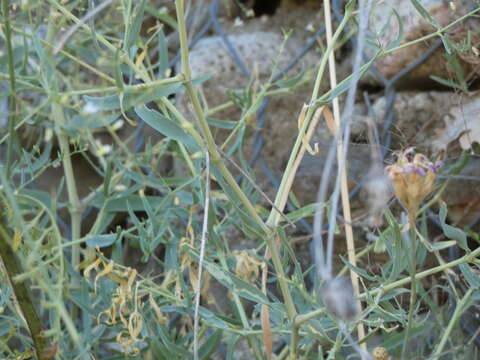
(414, 27)
(462, 126)
(260, 42)
(421, 118)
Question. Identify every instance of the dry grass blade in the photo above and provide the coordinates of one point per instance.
(342, 149)
(265, 317)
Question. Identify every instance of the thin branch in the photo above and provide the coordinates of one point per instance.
(25, 301)
(202, 256)
(250, 180)
(63, 40)
(13, 92)
(342, 142)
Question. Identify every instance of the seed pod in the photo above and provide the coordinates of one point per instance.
(338, 297)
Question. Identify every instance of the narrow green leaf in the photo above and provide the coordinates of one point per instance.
(120, 204)
(363, 273)
(445, 82)
(162, 54)
(345, 84)
(133, 30)
(230, 281)
(100, 240)
(133, 98)
(166, 126)
(424, 13)
(288, 83)
(472, 279)
(450, 231)
(93, 121)
(211, 345)
(440, 245)
(222, 124)
(399, 38)
(302, 213)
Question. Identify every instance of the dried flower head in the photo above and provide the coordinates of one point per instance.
(124, 305)
(338, 297)
(247, 266)
(380, 353)
(413, 176)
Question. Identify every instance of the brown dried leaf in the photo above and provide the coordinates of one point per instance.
(301, 119)
(327, 114)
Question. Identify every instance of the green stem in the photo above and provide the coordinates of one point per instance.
(471, 257)
(243, 316)
(75, 207)
(284, 187)
(25, 301)
(13, 90)
(217, 160)
(431, 35)
(461, 306)
(413, 283)
(124, 57)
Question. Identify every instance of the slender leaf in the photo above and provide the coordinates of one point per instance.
(166, 126)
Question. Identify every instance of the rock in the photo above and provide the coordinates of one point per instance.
(421, 122)
(261, 51)
(436, 124)
(462, 195)
(462, 125)
(418, 117)
(415, 27)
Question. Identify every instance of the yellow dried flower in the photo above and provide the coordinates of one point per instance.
(247, 267)
(124, 305)
(380, 353)
(413, 176)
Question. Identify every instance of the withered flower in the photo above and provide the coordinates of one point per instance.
(380, 353)
(413, 176)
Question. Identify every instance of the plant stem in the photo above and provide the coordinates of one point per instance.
(287, 179)
(217, 160)
(284, 188)
(13, 91)
(124, 57)
(25, 301)
(431, 35)
(341, 157)
(471, 257)
(461, 305)
(413, 282)
(75, 207)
